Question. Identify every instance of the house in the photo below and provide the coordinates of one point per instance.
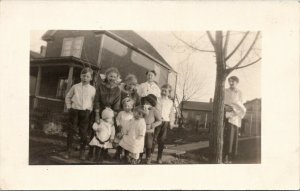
(58, 66)
(196, 114)
(251, 124)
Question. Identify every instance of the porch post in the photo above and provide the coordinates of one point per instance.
(37, 87)
(70, 78)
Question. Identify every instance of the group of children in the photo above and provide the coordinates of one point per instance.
(128, 117)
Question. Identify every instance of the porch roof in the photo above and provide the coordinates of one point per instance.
(57, 61)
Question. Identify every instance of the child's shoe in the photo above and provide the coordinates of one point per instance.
(148, 160)
(159, 161)
(82, 155)
(67, 154)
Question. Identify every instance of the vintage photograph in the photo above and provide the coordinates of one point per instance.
(129, 97)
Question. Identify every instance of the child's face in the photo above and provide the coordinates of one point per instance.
(130, 85)
(109, 120)
(127, 106)
(137, 115)
(112, 78)
(86, 78)
(165, 92)
(150, 77)
(147, 104)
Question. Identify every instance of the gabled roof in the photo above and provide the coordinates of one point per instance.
(139, 42)
(127, 35)
(194, 105)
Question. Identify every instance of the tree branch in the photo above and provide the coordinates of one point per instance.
(191, 46)
(248, 64)
(239, 44)
(213, 42)
(247, 53)
(226, 43)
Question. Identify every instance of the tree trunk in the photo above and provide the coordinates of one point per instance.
(216, 133)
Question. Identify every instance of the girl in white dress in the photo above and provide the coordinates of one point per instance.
(134, 135)
(123, 117)
(104, 134)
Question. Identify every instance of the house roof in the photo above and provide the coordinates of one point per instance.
(140, 42)
(34, 55)
(194, 105)
(129, 36)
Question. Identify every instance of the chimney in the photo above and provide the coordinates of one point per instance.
(43, 51)
(210, 100)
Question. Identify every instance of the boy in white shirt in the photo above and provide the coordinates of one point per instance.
(79, 102)
(168, 115)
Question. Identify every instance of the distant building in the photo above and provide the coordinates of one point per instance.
(251, 124)
(196, 114)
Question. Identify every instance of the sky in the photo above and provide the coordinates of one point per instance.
(201, 64)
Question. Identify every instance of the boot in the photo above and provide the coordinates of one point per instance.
(117, 156)
(82, 154)
(159, 154)
(97, 154)
(100, 155)
(91, 154)
(148, 156)
(67, 154)
(148, 160)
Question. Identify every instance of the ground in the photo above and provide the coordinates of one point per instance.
(183, 147)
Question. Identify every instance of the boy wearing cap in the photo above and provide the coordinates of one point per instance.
(79, 102)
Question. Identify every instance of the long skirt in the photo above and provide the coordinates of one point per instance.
(230, 146)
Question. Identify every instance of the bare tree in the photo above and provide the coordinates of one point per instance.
(189, 85)
(220, 44)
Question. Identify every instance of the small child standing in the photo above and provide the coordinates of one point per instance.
(168, 115)
(79, 102)
(122, 118)
(134, 135)
(153, 120)
(104, 134)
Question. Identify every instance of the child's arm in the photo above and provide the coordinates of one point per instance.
(95, 126)
(116, 103)
(113, 131)
(118, 119)
(158, 119)
(172, 116)
(68, 98)
(97, 104)
(141, 131)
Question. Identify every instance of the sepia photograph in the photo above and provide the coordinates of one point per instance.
(149, 95)
(144, 97)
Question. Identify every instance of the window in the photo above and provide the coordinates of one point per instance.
(114, 46)
(61, 88)
(142, 60)
(157, 69)
(72, 46)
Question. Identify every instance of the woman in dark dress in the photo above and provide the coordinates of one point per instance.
(108, 94)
